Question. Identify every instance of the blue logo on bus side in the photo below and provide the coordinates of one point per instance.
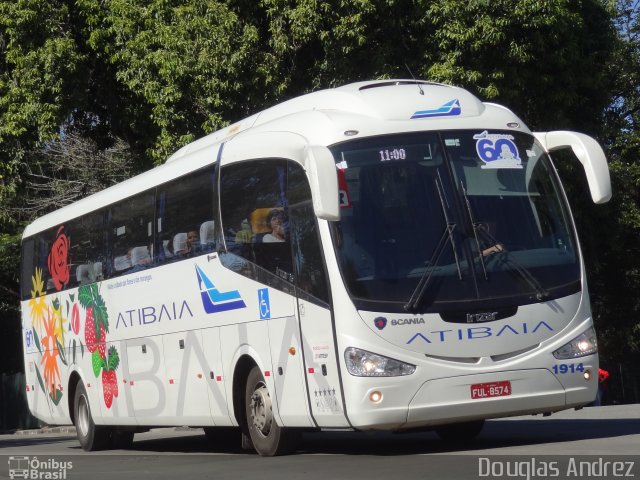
(264, 304)
(215, 301)
(449, 109)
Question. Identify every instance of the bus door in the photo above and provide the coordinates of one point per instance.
(255, 226)
(314, 311)
(321, 365)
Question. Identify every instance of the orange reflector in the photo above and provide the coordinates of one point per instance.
(292, 350)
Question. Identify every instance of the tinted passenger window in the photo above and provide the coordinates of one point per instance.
(132, 234)
(255, 214)
(88, 238)
(185, 217)
(307, 255)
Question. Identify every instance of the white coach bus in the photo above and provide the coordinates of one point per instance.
(388, 255)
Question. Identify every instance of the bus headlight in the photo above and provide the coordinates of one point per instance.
(584, 344)
(361, 363)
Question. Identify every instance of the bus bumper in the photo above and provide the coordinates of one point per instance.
(448, 400)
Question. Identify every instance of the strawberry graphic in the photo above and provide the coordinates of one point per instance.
(96, 327)
(109, 386)
(90, 339)
(90, 331)
(109, 378)
(102, 347)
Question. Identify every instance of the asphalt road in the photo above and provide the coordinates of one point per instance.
(528, 447)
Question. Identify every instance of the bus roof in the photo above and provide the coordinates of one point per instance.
(369, 108)
(324, 117)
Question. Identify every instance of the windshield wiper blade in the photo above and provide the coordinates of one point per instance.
(498, 247)
(421, 288)
(476, 226)
(450, 225)
(447, 234)
(525, 273)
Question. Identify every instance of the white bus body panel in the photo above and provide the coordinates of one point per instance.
(162, 381)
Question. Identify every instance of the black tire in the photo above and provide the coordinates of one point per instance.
(460, 432)
(268, 438)
(122, 439)
(92, 437)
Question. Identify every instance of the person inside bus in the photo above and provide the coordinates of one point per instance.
(186, 244)
(139, 257)
(276, 221)
(244, 235)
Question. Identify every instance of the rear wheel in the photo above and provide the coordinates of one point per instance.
(460, 432)
(268, 438)
(91, 436)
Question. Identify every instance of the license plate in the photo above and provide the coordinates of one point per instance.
(492, 389)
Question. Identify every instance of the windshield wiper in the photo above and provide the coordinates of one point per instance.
(447, 234)
(498, 247)
(476, 226)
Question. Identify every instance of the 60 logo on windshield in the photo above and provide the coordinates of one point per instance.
(488, 150)
(497, 150)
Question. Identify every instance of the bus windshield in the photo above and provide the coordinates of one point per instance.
(452, 220)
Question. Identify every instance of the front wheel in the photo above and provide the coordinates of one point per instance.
(460, 432)
(268, 438)
(91, 436)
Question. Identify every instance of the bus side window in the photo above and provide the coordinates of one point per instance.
(308, 261)
(27, 269)
(254, 209)
(131, 233)
(184, 224)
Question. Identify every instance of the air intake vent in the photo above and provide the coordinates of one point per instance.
(506, 356)
(466, 360)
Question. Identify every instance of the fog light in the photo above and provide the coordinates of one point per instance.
(375, 396)
(587, 375)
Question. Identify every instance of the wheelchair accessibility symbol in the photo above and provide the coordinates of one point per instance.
(263, 301)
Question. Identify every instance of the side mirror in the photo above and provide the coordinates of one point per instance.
(590, 154)
(323, 179)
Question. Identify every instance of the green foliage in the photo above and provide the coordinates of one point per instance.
(141, 79)
(196, 64)
(543, 59)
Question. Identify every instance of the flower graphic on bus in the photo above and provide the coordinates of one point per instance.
(47, 326)
(38, 303)
(49, 360)
(55, 316)
(58, 260)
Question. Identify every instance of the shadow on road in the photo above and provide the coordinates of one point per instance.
(496, 434)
